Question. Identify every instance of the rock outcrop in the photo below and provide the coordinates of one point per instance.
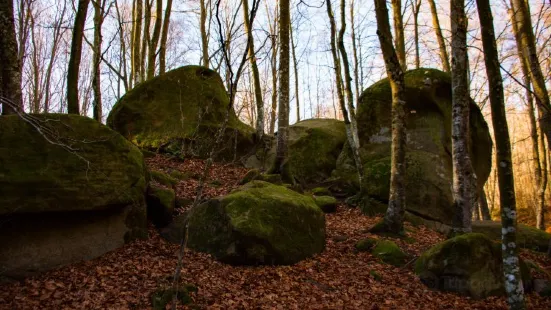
(429, 165)
(70, 189)
(260, 223)
(181, 112)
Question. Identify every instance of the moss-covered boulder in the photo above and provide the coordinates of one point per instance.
(161, 202)
(365, 245)
(180, 112)
(469, 264)
(261, 223)
(70, 189)
(314, 146)
(328, 204)
(428, 123)
(163, 178)
(528, 237)
(389, 252)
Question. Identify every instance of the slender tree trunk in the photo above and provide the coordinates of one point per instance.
(345, 88)
(204, 36)
(137, 38)
(74, 60)
(273, 60)
(483, 205)
(152, 56)
(57, 35)
(543, 185)
(399, 32)
(354, 50)
(283, 90)
(394, 217)
(511, 269)
(416, 7)
(146, 38)
(526, 39)
(441, 43)
(463, 175)
(96, 61)
(256, 76)
(127, 82)
(164, 37)
(295, 67)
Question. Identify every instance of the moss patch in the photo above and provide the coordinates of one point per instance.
(327, 204)
(365, 245)
(163, 178)
(261, 223)
(528, 237)
(163, 297)
(389, 252)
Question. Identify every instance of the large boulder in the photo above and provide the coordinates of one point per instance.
(428, 154)
(70, 189)
(314, 146)
(469, 264)
(260, 223)
(181, 112)
(528, 237)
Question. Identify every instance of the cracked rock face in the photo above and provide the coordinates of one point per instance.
(428, 154)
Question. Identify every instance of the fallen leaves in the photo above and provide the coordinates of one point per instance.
(339, 277)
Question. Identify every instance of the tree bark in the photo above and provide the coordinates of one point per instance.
(164, 37)
(354, 50)
(511, 269)
(256, 76)
(99, 6)
(483, 205)
(152, 56)
(416, 7)
(463, 175)
(273, 61)
(283, 90)
(295, 67)
(146, 39)
(73, 106)
(394, 217)
(399, 33)
(204, 36)
(136, 39)
(439, 37)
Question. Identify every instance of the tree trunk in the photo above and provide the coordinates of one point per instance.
(483, 205)
(152, 56)
(164, 37)
(394, 217)
(399, 32)
(526, 39)
(441, 43)
(283, 90)
(137, 38)
(511, 269)
(204, 36)
(146, 38)
(295, 67)
(73, 106)
(354, 50)
(273, 60)
(416, 7)
(256, 76)
(96, 61)
(543, 187)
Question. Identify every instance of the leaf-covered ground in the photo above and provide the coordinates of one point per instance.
(338, 278)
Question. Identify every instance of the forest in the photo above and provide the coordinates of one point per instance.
(246, 154)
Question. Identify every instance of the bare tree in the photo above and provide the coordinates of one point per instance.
(511, 268)
(416, 8)
(152, 56)
(73, 106)
(136, 39)
(394, 217)
(441, 43)
(99, 15)
(399, 32)
(204, 34)
(295, 68)
(164, 37)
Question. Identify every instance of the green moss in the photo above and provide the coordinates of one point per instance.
(327, 204)
(178, 175)
(163, 178)
(321, 191)
(389, 253)
(375, 275)
(250, 176)
(271, 178)
(84, 166)
(179, 112)
(365, 245)
(527, 236)
(163, 297)
(259, 223)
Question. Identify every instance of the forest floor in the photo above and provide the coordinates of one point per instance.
(338, 278)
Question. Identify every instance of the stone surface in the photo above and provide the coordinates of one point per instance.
(260, 223)
(428, 123)
(180, 112)
(72, 191)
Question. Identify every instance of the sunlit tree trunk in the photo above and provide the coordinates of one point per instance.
(204, 35)
(399, 32)
(76, 55)
(511, 269)
(99, 6)
(152, 56)
(463, 175)
(439, 37)
(416, 7)
(394, 217)
(354, 49)
(256, 76)
(146, 39)
(295, 67)
(283, 89)
(136, 40)
(164, 37)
